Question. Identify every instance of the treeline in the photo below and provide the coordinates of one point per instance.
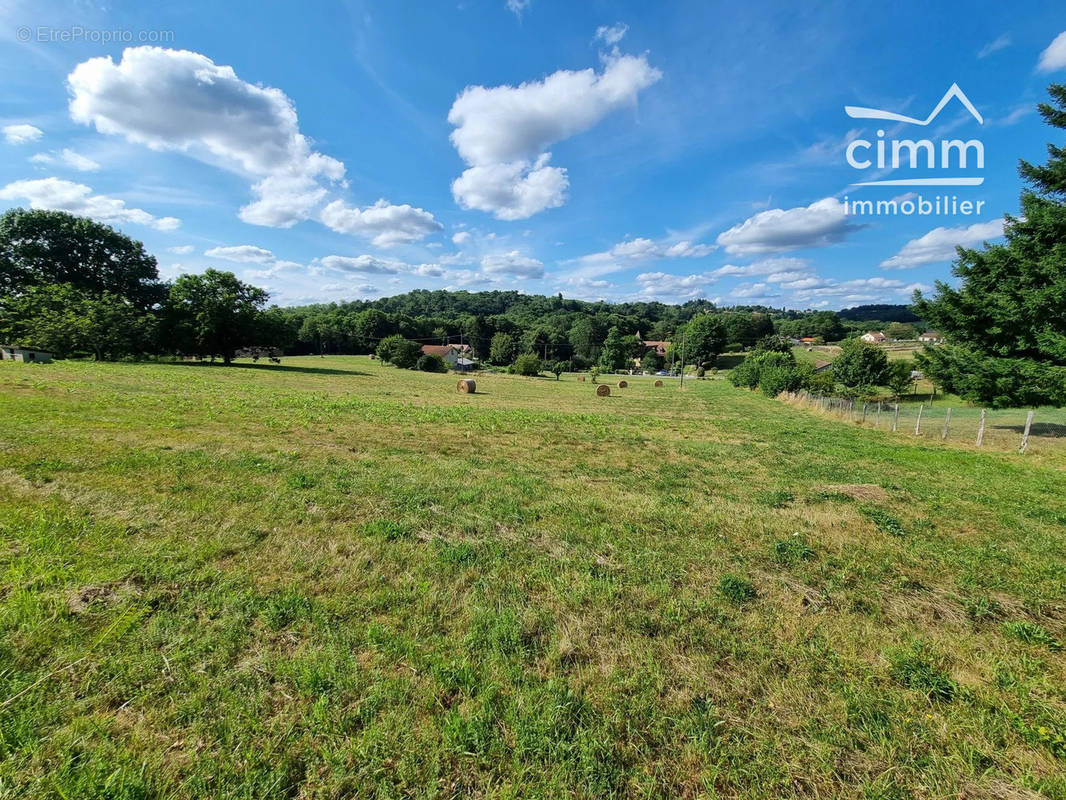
(77, 287)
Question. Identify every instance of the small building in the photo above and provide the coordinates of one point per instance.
(874, 337)
(809, 340)
(931, 337)
(464, 364)
(14, 353)
(451, 353)
(822, 366)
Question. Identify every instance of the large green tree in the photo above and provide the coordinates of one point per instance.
(213, 314)
(45, 248)
(1006, 322)
(68, 321)
(861, 365)
(617, 351)
(703, 338)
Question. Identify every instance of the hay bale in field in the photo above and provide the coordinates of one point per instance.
(623, 384)
(466, 386)
(603, 390)
(658, 383)
(581, 378)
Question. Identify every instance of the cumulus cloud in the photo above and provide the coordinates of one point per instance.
(67, 157)
(77, 198)
(773, 231)
(766, 266)
(243, 253)
(612, 34)
(181, 249)
(632, 252)
(182, 101)
(1054, 57)
(385, 224)
(461, 238)
(364, 265)
(503, 132)
(667, 287)
(21, 134)
(940, 243)
(513, 263)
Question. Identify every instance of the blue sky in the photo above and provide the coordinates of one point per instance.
(333, 151)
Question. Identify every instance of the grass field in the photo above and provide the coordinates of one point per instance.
(336, 579)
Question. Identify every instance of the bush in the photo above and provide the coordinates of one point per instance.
(749, 372)
(399, 351)
(528, 364)
(431, 363)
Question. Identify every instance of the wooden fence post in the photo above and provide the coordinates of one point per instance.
(864, 406)
(981, 428)
(918, 424)
(895, 419)
(947, 421)
(1025, 436)
(878, 413)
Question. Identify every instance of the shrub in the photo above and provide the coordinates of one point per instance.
(737, 589)
(780, 370)
(528, 364)
(431, 363)
(790, 551)
(398, 351)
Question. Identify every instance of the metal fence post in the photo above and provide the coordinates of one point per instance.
(918, 424)
(895, 419)
(947, 421)
(981, 428)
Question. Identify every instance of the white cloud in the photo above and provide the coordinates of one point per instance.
(753, 291)
(666, 287)
(385, 224)
(503, 132)
(766, 266)
(181, 249)
(243, 253)
(821, 223)
(20, 134)
(68, 158)
(612, 34)
(512, 263)
(994, 46)
(631, 252)
(516, 7)
(940, 243)
(77, 198)
(1054, 57)
(365, 265)
(512, 191)
(461, 238)
(181, 100)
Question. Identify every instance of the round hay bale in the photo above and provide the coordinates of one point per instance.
(466, 386)
(581, 378)
(658, 383)
(623, 384)
(603, 390)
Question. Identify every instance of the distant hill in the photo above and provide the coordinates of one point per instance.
(882, 312)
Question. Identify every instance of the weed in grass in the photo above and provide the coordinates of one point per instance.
(1031, 633)
(737, 589)
(387, 530)
(792, 550)
(917, 667)
(983, 609)
(885, 522)
(779, 498)
(301, 480)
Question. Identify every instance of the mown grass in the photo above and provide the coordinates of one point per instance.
(336, 579)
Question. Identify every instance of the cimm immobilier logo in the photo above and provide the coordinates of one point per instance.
(949, 162)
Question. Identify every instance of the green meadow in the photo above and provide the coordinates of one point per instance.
(337, 579)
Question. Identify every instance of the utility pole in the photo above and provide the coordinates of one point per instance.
(683, 338)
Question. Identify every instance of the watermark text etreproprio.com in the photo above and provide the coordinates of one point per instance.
(77, 33)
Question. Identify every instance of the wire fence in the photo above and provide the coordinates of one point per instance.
(1020, 430)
